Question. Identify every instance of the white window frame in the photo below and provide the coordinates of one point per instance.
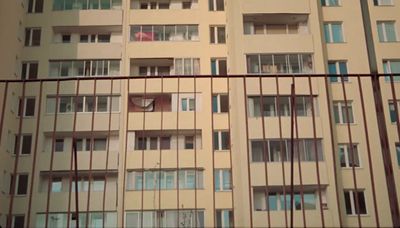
(327, 3)
(341, 105)
(220, 213)
(220, 176)
(24, 107)
(156, 70)
(329, 24)
(215, 35)
(382, 3)
(73, 101)
(34, 6)
(214, 6)
(21, 143)
(56, 188)
(220, 140)
(13, 219)
(337, 66)
(85, 67)
(217, 64)
(16, 185)
(63, 145)
(28, 69)
(187, 100)
(218, 96)
(30, 42)
(347, 154)
(382, 25)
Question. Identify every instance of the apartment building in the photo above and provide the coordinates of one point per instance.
(192, 113)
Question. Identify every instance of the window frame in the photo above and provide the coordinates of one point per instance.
(338, 69)
(29, 36)
(327, 3)
(345, 147)
(213, 5)
(26, 70)
(218, 105)
(381, 3)
(216, 65)
(219, 180)
(33, 6)
(382, 28)
(24, 107)
(218, 146)
(352, 198)
(328, 30)
(214, 34)
(342, 116)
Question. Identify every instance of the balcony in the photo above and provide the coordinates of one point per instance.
(276, 6)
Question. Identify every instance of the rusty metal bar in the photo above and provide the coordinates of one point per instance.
(108, 150)
(281, 147)
(195, 148)
(20, 111)
(293, 107)
(160, 161)
(371, 171)
(248, 151)
(265, 150)
(351, 151)
(3, 110)
(316, 152)
(213, 151)
(143, 152)
(53, 139)
(34, 154)
(72, 157)
(177, 149)
(230, 150)
(336, 173)
(76, 184)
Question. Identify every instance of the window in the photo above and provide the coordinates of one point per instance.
(189, 142)
(333, 32)
(152, 143)
(304, 106)
(32, 36)
(18, 221)
(66, 38)
(25, 144)
(188, 104)
(100, 144)
(224, 218)
(216, 5)
(346, 155)
(164, 33)
(59, 145)
(338, 67)
(391, 67)
(220, 103)
(330, 2)
(96, 219)
(276, 200)
(154, 70)
(21, 184)
(351, 202)
(217, 35)
(29, 70)
(398, 153)
(392, 111)
(98, 184)
(278, 151)
(262, 28)
(165, 218)
(35, 6)
(186, 5)
(56, 184)
(84, 68)
(187, 66)
(68, 104)
(103, 38)
(165, 179)
(383, 2)
(279, 64)
(218, 67)
(340, 111)
(387, 31)
(27, 106)
(59, 5)
(221, 140)
(222, 179)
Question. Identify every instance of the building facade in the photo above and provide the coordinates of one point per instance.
(192, 113)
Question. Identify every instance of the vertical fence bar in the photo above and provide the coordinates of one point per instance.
(247, 150)
(34, 154)
(143, 152)
(160, 161)
(177, 149)
(328, 101)
(281, 146)
(293, 107)
(195, 148)
(316, 151)
(3, 110)
(213, 151)
(73, 155)
(265, 151)
(126, 152)
(351, 151)
(371, 171)
(17, 152)
(53, 138)
(108, 151)
(230, 149)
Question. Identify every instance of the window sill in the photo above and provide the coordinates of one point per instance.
(351, 168)
(222, 151)
(389, 42)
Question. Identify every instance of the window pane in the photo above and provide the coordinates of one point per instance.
(22, 184)
(253, 64)
(337, 33)
(100, 144)
(309, 201)
(193, 32)
(221, 35)
(280, 64)
(102, 103)
(267, 64)
(225, 141)
(89, 104)
(158, 32)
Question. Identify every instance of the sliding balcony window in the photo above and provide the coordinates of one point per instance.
(154, 70)
(187, 66)
(96, 219)
(32, 37)
(153, 5)
(279, 64)
(383, 2)
(29, 70)
(153, 142)
(351, 202)
(216, 5)
(340, 112)
(76, 68)
(61, 5)
(270, 106)
(278, 151)
(346, 156)
(143, 33)
(150, 103)
(253, 28)
(164, 179)
(391, 67)
(35, 6)
(340, 68)
(333, 32)
(165, 218)
(67, 104)
(387, 31)
(330, 2)
(217, 34)
(276, 199)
